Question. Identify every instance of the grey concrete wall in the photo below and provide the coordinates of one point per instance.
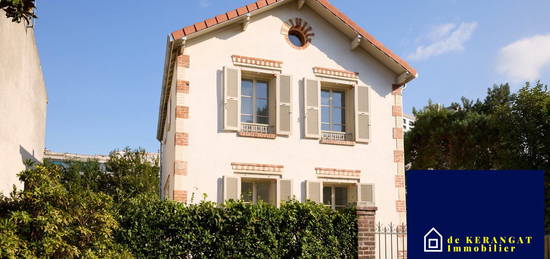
(23, 101)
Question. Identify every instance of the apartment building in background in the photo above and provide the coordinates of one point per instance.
(408, 121)
(280, 100)
(23, 101)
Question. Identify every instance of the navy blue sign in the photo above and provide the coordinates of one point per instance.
(475, 214)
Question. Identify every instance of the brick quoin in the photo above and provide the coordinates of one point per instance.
(397, 133)
(182, 112)
(400, 205)
(399, 181)
(398, 156)
(182, 86)
(396, 111)
(180, 167)
(183, 61)
(180, 196)
(182, 139)
(366, 227)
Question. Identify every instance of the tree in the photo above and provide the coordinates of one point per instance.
(47, 220)
(18, 10)
(504, 131)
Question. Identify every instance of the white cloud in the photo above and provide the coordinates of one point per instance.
(204, 3)
(523, 60)
(444, 38)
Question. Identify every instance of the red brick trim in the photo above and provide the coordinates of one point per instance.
(398, 133)
(337, 172)
(182, 86)
(180, 167)
(325, 3)
(396, 111)
(337, 142)
(399, 181)
(400, 206)
(398, 156)
(304, 31)
(182, 112)
(257, 61)
(257, 135)
(183, 61)
(335, 72)
(181, 139)
(180, 196)
(256, 167)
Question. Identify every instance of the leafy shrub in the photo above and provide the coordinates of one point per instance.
(155, 228)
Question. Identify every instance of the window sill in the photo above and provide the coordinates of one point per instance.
(257, 135)
(337, 142)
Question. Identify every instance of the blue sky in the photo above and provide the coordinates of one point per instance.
(103, 60)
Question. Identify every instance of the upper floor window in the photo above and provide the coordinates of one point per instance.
(333, 110)
(254, 101)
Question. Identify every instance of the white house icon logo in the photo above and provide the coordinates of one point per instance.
(433, 241)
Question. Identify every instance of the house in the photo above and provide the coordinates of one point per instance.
(62, 158)
(23, 101)
(408, 121)
(283, 99)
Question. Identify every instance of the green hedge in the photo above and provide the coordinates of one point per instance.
(154, 228)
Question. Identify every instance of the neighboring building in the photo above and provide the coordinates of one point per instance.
(62, 158)
(23, 101)
(281, 99)
(408, 121)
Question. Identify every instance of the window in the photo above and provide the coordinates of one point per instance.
(254, 101)
(296, 38)
(333, 111)
(335, 196)
(255, 190)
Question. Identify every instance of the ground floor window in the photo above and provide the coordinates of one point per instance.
(335, 196)
(255, 190)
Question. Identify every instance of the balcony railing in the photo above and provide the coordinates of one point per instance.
(258, 128)
(337, 136)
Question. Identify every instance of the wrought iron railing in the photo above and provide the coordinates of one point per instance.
(391, 241)
(255, 127)
(336, 135)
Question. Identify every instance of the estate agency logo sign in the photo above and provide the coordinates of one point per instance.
(475, 214)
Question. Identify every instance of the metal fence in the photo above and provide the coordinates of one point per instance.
(391, 241)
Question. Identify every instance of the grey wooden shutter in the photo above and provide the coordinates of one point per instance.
(362, 115)
(231, 188)
(231, 101)
(312, 93)
(365, 194)
(285, 190)
(284, 107)
(314, 191)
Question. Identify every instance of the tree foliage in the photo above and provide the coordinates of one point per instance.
(504, 131)
(18, 10)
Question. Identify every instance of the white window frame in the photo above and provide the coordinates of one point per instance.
(254, 98)
(330, 106)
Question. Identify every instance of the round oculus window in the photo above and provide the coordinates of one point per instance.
(296, 38)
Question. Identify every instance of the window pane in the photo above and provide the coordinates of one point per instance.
(338, 116)
(261, 107)
(325, 126)
(262, 191)
(327, 195)
(338, 127)
(341, 196)
(246, 191)
(247, 118)
(325, 114)
(262, 120)
(261, 89)
(325, 97)
(338, 99)
(246, 105)
(246, 87)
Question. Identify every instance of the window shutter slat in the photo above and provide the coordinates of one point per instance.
(231, 92)
(365, 194)
(285, 189)
(284, 106)
(314, 191)
(312, 92)
(362, 114)
(231, 188)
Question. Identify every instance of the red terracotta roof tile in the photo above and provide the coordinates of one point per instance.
(221, 18)
(252, 7)
(242, 10)
(200, 26)
(189, 29)
(178, 34)
(211, 22)
(271, 1)
(261, 3)
(232, 14)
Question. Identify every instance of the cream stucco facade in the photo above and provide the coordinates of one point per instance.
(200, 153)
(23, 101)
